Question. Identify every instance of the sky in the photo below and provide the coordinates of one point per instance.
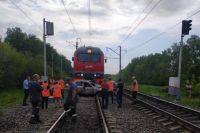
(113, 23)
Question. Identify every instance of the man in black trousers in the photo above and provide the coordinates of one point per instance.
(26, 90)
(104, 94)
(120, 87)
(36, 98)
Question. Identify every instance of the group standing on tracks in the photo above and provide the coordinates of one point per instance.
(109, 89)
(40, 92)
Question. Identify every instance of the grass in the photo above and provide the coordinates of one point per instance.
(162, 92)
(10, 97)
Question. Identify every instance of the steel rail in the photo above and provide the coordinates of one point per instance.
(184, 123)
(183, 108)
(193, 111)
(105, 126)
(56, 124)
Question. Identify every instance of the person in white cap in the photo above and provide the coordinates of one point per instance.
(36, 98)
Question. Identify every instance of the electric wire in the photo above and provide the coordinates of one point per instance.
(165, 31)
(75, 31)
(22, 11)
(136, 19)
(141, 21)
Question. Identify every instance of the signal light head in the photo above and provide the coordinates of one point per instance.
(186, 26)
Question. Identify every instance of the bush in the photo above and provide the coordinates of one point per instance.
(196, 90)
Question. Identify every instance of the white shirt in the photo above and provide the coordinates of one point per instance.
(25, 84)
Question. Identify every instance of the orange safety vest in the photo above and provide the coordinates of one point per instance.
(51, 83)
(45, 91)
(61, 82)
(110, 86)
(57, 91)
(135, 87)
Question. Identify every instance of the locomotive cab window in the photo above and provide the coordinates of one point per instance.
(87, 57)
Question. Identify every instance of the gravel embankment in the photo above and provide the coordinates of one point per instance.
(131, 120)
(16, 119)
(87, 119)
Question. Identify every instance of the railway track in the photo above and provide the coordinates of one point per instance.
(90, 118)
(175, 117)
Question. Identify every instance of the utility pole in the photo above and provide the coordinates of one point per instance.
(119, 54)
(120, 61)
(61, 73)
(180, 58)
(44, 41)
(71, 42)
(51, 65)
(77, 43)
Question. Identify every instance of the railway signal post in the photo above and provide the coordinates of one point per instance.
(48, 30)
(186, 27)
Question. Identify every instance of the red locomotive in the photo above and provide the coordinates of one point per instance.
(88, 63)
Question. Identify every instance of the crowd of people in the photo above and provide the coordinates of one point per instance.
(110, 88)
(41, 91)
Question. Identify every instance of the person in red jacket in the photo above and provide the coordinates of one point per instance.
(45, 94)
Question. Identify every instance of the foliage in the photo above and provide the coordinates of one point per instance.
(22, 55)
(9, 97)
(156, 68)
(196, 90)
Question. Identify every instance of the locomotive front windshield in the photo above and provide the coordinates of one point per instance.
(88, 57)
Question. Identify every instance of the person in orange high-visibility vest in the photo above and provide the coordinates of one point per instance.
(110, 89)
(62, 83)
(45, 94)
(57, 94)
(51, 84)
(135, 88)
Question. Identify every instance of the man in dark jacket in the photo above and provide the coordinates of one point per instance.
(35, 97)
(104, 94)
(120, 87)
(72, 99)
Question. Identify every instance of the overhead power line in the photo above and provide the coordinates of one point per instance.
(141, 21)
(21, 10)
(75, 31)
(137, 18)
(89, 17)
(165, 31)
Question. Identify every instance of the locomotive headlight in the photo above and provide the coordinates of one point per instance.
(95, 75)
(89, 51)
(81, 75)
